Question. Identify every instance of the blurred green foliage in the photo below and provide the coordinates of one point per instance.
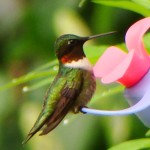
(28, 30)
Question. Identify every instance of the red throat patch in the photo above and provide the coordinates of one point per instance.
(65, 59)
(75, 55)
(69, 58)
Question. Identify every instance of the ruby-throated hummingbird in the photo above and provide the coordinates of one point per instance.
(73, 86)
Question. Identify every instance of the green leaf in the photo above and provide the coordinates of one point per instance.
(145, 3)
(81, 3)
(47, 65)
(94, 52)
(146, 41)
(106, 93)
(49, 69)
(125, 4)
(39, 84)
(138, 144)
(147, 133)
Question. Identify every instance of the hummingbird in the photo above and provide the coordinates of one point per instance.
(73, 86)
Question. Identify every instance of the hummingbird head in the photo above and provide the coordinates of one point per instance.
(69, 47)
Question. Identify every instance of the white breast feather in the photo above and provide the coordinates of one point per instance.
(81, 63)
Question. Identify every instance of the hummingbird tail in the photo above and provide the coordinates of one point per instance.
(27, 139)
(34, 129)
(52, 124)
(59, 113)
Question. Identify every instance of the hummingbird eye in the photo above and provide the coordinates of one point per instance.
(70, 42)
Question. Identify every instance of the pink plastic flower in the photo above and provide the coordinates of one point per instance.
(128, 69)
(131, 69)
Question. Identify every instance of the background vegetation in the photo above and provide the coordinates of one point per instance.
(28, 30)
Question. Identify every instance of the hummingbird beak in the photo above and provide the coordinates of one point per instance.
(97, 36)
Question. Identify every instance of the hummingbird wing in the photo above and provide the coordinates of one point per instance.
(59, 99)
(62, 108)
